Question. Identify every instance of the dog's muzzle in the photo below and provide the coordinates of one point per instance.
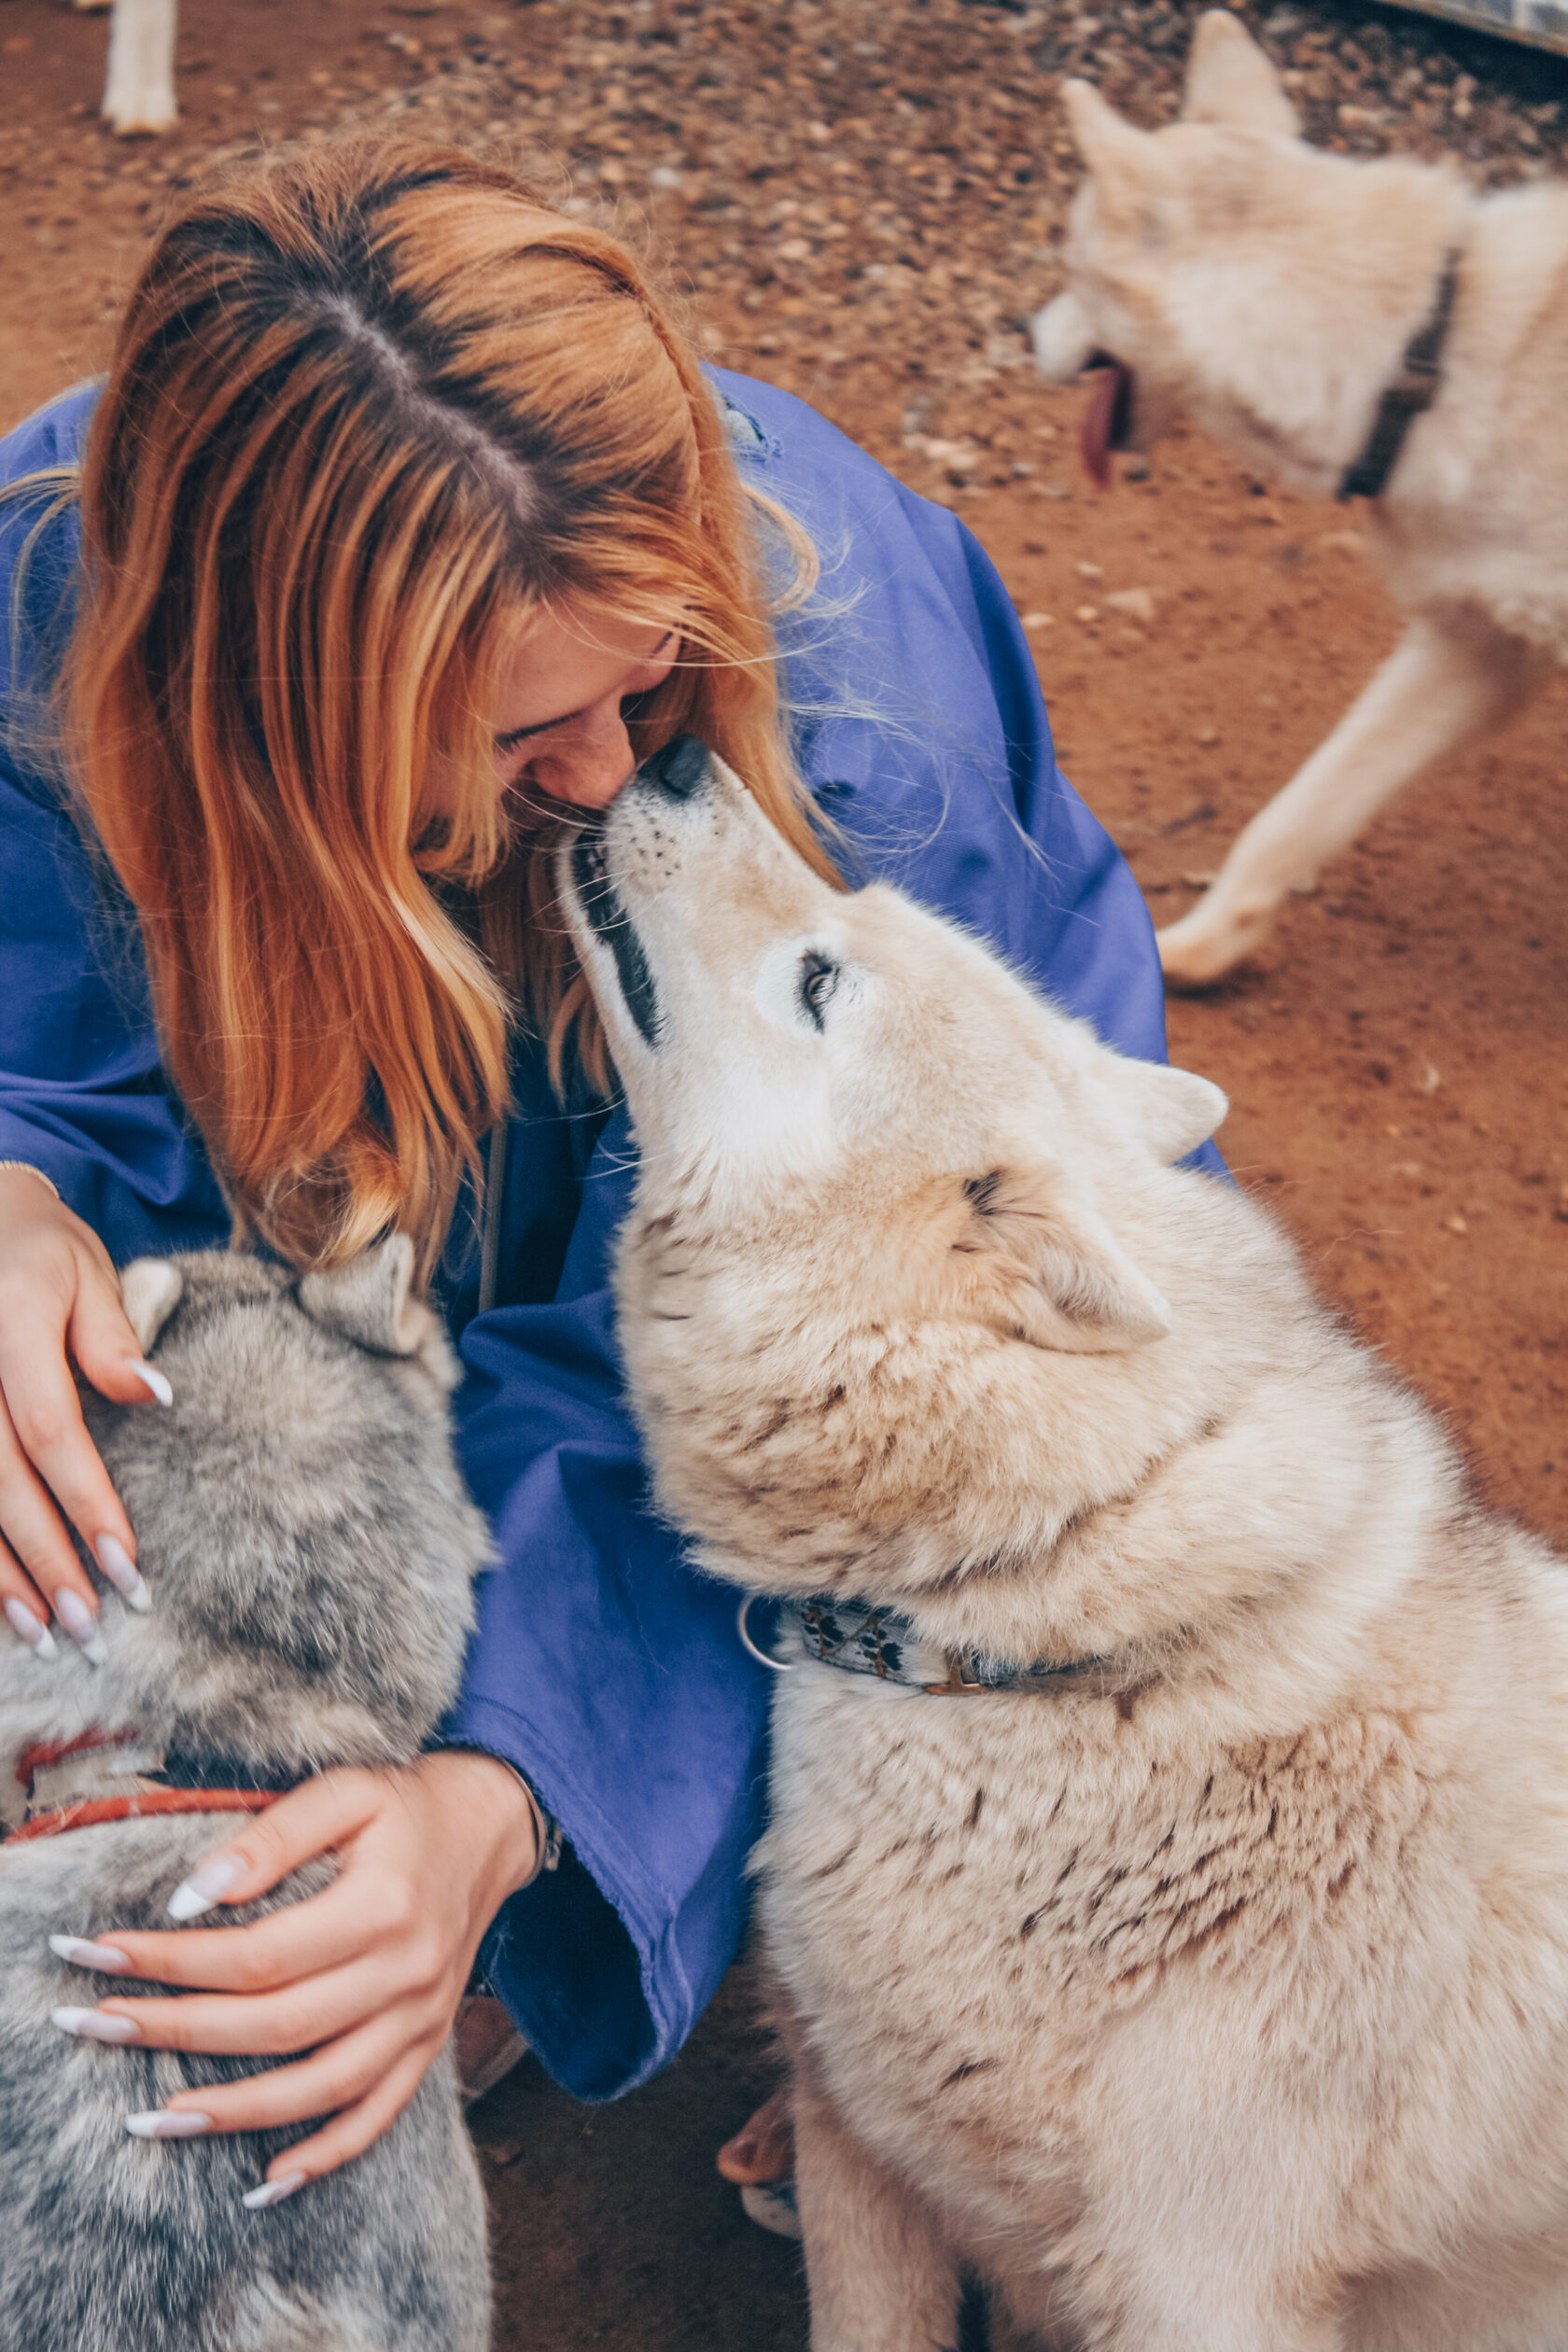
(679, 771)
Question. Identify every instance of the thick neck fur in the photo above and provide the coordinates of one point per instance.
(1144, 1506)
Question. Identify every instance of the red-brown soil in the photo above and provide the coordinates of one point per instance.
(862, 204)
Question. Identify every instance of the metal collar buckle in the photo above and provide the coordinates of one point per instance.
(956, 1683)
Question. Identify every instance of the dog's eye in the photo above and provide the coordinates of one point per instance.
(818, 979)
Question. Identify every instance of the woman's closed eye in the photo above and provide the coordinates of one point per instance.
(514, 736)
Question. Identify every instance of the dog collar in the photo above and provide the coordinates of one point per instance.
(1409, 396)
(116, 1776)
(864, 1640)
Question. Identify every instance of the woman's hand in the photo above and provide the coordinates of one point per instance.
(59, 1300)
(364, 1977)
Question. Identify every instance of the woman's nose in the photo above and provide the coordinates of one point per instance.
(590, 768)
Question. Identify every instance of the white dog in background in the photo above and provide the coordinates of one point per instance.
(1370, 326)
(139, 91)
(1169, 1903)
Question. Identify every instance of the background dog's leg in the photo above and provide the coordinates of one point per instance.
(881, 2279)
(139, 94)
(1446, 682)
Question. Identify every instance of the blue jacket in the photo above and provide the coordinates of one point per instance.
(603, 1667)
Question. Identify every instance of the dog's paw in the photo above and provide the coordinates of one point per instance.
(1199, 949)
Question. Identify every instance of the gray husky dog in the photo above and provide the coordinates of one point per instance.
(310, 1549)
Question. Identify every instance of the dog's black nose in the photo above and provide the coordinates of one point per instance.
(680, 768)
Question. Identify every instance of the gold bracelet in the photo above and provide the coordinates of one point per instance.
(31, 1171)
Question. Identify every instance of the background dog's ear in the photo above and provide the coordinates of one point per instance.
(149, 1288)
(1044, 1266)
(371, 1301)
(1229, 80)
(1127, 163)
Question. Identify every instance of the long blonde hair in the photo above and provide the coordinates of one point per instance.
(369, 411)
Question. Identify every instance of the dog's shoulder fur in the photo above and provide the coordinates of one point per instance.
(310, 1551)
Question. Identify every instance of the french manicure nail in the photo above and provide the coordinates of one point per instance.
(154, 1380)
(94, 2025)
(202, 1889)
(273, 2192)
(168, 2124)
(120, 1570)
(81, 1625)
(82, 1955)
(31, 1629)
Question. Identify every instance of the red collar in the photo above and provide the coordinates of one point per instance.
(138, 1804)
(89, 1811)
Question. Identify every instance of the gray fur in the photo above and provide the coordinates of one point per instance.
(310, 1548)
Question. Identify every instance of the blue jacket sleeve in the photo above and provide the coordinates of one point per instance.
(82, 1095)
(603, 1667)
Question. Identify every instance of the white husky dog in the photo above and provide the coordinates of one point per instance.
(1170, 1906)
(1374, 327)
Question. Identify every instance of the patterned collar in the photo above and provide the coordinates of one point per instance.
(865, 1640)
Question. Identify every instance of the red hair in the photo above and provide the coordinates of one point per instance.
(369, 411)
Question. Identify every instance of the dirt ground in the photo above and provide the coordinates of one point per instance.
(861, 202)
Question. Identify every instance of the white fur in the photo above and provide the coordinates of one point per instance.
(139, 92)
(1269, 291)
(1215, 1999)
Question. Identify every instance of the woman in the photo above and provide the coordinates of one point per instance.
(403, 526)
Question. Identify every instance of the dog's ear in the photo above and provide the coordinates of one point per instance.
(372, 1300)
(1042, 1266)
(1103, 139)
(1172, 1110)
(1229, 80)
(150, 1290)
(1126, 164)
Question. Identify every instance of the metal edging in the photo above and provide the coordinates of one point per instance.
(1536, 23)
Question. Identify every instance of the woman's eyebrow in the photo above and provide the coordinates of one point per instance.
(542, 726)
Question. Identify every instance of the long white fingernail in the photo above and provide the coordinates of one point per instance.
(93, 2025)
(80, 1955)
(273, 2192)
(120, 1570)
(154, 1378)
(31, 1629)
(202, 1889)
(81, 1625)
(168, 2124)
